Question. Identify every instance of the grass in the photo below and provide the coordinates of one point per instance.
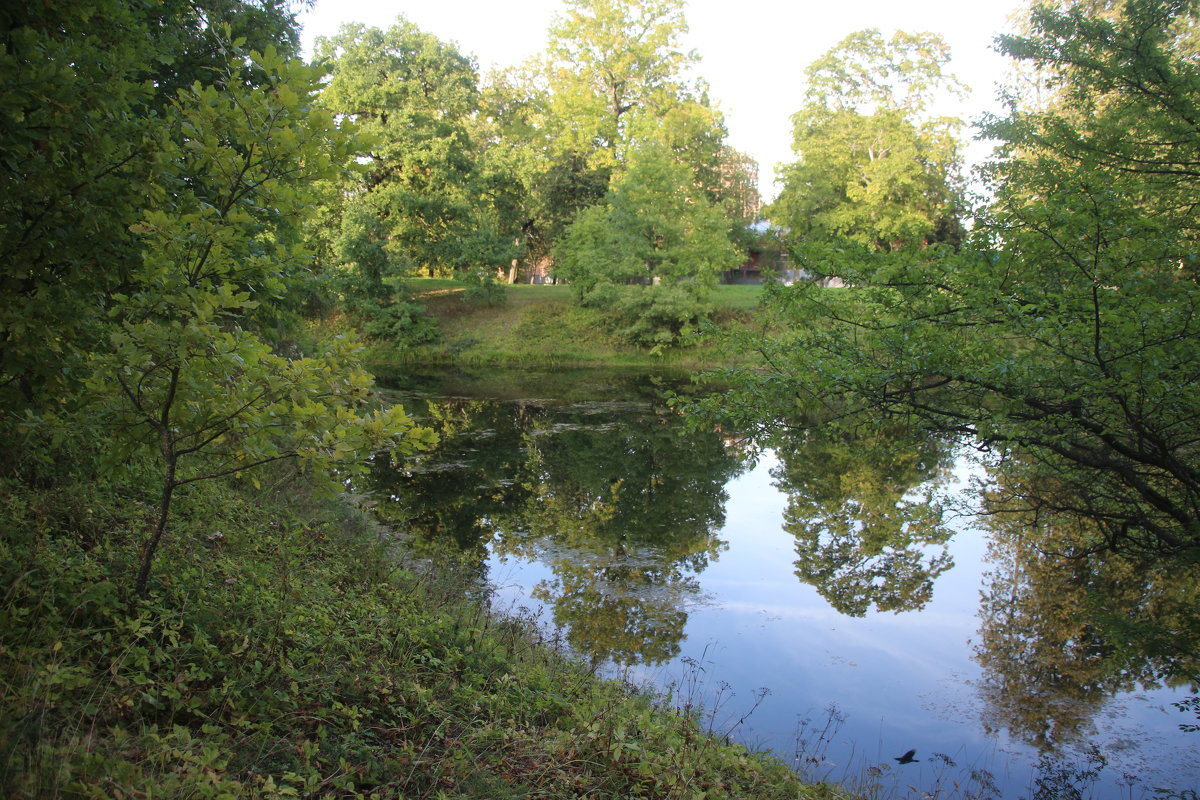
(288, 650)
(543, 325)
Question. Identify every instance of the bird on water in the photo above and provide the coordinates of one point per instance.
(907, 758)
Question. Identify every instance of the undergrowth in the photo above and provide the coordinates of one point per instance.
(289, 650)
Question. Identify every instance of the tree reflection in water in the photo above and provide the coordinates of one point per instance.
(624, 510)
(617, 499)
(862, 506)
(623, 504)
(1064, 627)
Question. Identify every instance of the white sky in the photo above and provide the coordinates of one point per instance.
(753, 52)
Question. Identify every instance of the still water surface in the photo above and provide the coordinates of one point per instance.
(818, 595)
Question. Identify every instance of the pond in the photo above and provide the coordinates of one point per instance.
(821, 596)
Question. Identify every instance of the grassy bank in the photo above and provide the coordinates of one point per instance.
(288, 650)
(543, 325)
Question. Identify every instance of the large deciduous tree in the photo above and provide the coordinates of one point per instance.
(608, 60)
(419, 201)
(872, 166)
(655, 225)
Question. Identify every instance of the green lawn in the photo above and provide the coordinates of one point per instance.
(726, 297)
(542, 324)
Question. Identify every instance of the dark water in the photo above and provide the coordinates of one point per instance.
(823, 596)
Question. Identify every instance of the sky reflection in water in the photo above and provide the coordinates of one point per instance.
(727, 613)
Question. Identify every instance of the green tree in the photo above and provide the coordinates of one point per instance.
(79, 133)
(872, 167)
(655, 225)
(185, 378)
(418, 200)
(567, 187)
(1064, 341)
(607, 59)
(652, 252)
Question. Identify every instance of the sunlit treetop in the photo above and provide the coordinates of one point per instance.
(867, 73)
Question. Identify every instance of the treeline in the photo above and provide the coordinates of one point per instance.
(178, 191)
(602, 162)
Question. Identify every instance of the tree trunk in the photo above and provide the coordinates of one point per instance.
(160, 527)
(170, 457)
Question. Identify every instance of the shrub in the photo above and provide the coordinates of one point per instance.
(482, 288)
(650, 316)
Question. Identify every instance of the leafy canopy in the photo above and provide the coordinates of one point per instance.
(606, 59)
(872, 167)
(418, 198)
(655, 224)
(1062, 342)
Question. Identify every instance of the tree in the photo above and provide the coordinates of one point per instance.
(872, 168)
(607, 59)
(567, 187)
(651, 252)
(84, 82)
(184, 376)
(655, 224)
(420, 202)
(1064, 341)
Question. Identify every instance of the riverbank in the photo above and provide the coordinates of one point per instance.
(545, 326)
(289, 650)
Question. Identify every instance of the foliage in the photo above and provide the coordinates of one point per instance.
(289, 655)
(483, 288)
(650, 316)
(395, 317)
(655, 225)
(418, 200)
(606, 60)
(565, 188)
(79, 137)
(183, 376)
(1064, 341)
(1192, 704)
(616, 98)
(872, 168)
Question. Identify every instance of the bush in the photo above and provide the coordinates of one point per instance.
(482, 288)
(398, 319)
(650, 316)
